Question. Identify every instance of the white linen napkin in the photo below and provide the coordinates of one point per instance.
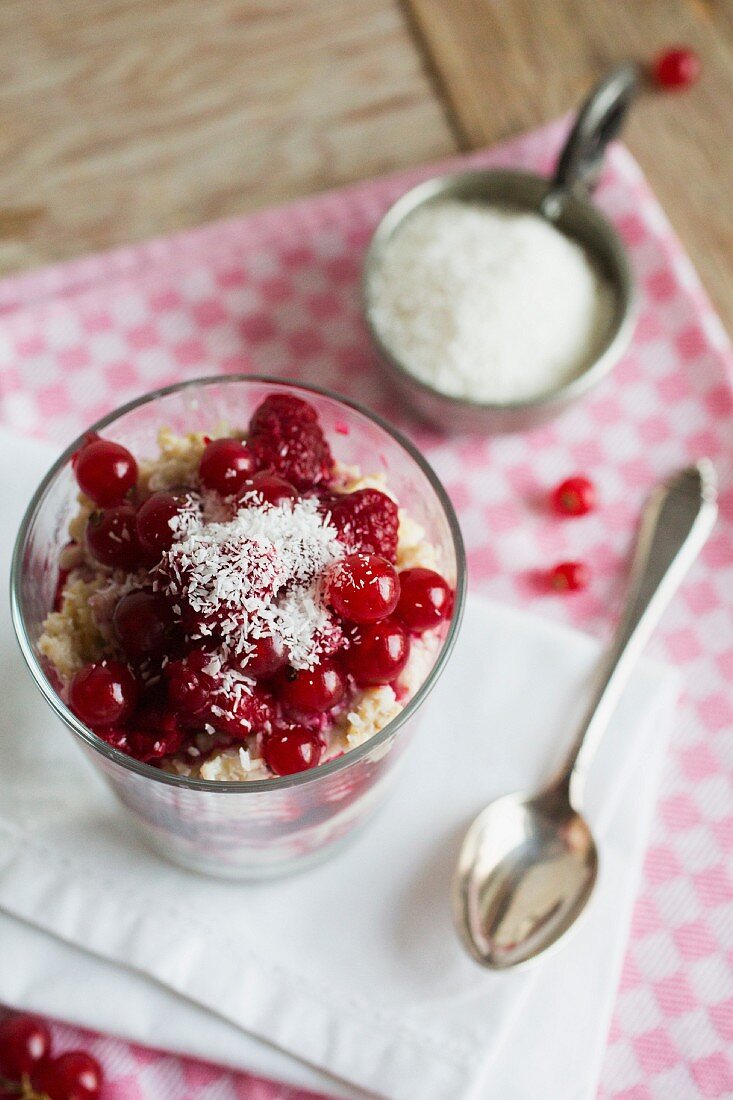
(348, 977)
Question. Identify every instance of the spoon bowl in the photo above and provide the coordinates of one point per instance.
(526, 870)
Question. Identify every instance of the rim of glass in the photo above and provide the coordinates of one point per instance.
(186, 782)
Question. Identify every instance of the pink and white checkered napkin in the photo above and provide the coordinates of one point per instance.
(277, 293)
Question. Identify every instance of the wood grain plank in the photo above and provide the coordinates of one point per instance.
(120, 119)
(508, 66)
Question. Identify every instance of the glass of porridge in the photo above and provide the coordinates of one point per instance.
(237, 594)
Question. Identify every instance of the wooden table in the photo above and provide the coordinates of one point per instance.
(120, 119)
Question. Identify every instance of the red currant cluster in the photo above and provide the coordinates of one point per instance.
(576, 496)
(158, 689)
(28, 1070)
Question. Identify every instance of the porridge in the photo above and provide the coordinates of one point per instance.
(242, 606)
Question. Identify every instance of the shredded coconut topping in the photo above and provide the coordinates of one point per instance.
(257, 574)
(186, 521)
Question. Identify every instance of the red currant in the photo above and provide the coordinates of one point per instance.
(155, 523)
(74, 1075)
(378, 653)
(569, 576)
(103, 694)
(24, 1042)
(189, 686)
(313, 690)
(366, 520)
(676, 68)
(141, 622)
(88, 437)
(271, 488)
(225, 465)
(117, 738)
(155, 732)
(252, 712)
(199, 625)
(105, 471)
(112, 540)
(576, 496)
(267, 656)
(363, 588)
(426, 599)
(292, 750)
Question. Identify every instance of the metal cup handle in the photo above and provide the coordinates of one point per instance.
(599, 121)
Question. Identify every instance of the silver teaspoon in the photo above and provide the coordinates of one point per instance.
(528, 863)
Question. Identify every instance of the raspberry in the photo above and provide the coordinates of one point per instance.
(367, 522)
(284, 435)
(281, 407)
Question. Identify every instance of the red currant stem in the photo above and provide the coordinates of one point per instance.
(29, 1093)
(23, 1088)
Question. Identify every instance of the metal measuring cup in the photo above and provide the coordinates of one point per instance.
(565, 201)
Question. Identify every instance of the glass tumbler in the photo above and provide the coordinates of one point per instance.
(269, 827)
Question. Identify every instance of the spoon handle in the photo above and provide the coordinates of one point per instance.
(676, 522)
(598, 123)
